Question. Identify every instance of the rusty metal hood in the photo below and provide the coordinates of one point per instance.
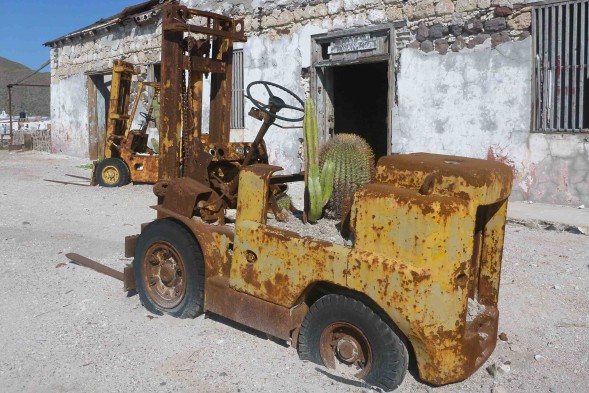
(483, 181)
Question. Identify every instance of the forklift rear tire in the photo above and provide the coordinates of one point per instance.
(169, 270)
(343, 333)
(112, 172)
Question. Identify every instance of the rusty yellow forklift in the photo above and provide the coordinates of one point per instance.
(127, 156)
(419, 275)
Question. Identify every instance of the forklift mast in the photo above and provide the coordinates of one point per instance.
(194, 43)
(118, 116)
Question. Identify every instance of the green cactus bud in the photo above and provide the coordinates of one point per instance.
(314, 187)
(284, 202)
(156, 145)
(319, 182)
(327, 173)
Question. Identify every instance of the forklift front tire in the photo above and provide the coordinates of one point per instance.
(112, 172)
(342, 333)
(169, 270)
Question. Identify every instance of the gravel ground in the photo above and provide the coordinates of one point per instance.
(68, 329)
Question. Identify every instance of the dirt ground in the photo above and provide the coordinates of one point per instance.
(65, 328)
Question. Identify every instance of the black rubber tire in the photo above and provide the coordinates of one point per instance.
(120, 166)
(186, 246)
(389, 354)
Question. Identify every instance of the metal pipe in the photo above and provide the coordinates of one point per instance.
(10, 110)
(241, 85)
(10, 96)
(566, 64)
(544, 82)
(558, 69)
(581, 76)
(535, 85)
(540, 63)
(551, 124)
(18, 82)
(575, 90)
(28, 84)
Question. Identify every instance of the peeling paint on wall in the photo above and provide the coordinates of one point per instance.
(499, 154)
(561, 168)
(478, 104)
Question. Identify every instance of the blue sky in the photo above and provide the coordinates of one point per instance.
(26, 24)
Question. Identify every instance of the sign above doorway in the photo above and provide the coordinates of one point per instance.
(352, 43)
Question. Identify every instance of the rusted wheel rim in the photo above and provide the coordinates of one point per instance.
(345, 348)
(110, 174)
(164, 275)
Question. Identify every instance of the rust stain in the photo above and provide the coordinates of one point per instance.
(496, 153)
(278, 287)
(251, 276)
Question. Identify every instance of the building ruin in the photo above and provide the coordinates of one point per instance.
(504, 80)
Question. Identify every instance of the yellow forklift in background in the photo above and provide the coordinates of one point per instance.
(127, 156)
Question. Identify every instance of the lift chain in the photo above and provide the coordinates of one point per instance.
(187, 123)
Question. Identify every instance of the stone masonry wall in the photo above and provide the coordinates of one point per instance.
(33, 139)
(448, 50)
(137, 44)
(465, 24)
(429, 25)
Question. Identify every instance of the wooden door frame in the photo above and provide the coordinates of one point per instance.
(322, 73)
(96, 142)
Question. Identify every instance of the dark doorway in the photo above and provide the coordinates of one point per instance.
(360, 103)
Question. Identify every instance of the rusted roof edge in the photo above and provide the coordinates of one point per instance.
(125, 14)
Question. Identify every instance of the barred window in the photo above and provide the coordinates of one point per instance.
(561, 97)
(237, 100)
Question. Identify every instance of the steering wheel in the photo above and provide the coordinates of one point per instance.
(147, 117)
(275, 102)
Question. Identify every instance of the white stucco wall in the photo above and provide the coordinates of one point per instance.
(462, 103)
(556, 169)
(478, 104)
(69, 116)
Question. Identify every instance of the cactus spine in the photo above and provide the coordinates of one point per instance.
(354, 166)
(319, 182)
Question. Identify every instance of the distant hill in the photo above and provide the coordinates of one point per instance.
(35, 101)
